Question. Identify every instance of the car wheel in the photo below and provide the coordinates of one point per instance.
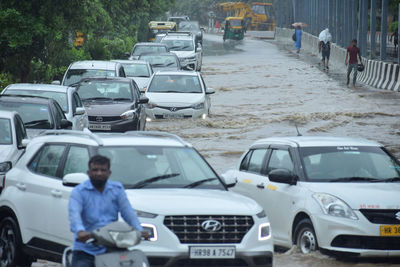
(306, 239)
(11, 253)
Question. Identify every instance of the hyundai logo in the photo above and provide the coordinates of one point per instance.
(99, 119)
(398, 215)
(173, 109)
(211, 225)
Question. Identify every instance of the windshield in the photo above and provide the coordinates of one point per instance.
(189, 26)
(142, 49)
(74, 75)
(175, 84)
(136, 70)
(160, 60)
(60, 97)
(333, 163)
(34, 116)
(105, 90)
(179, 45)
(159, 167)
(235, 23)
(5, 132)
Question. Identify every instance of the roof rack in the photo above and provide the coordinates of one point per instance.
(85, 132)
(159, 134)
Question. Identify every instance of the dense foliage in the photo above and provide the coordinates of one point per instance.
(195, 9)
(36, 37)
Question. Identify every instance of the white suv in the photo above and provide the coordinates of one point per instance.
(184, 45)
(181, 201)
(337, 194)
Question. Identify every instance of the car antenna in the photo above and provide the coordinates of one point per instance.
(297, 129)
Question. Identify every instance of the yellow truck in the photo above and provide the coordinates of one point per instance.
(156, 27)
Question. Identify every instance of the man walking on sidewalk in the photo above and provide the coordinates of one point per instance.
(352, 62)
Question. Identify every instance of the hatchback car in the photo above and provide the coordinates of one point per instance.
(138, 70)
(181, 202)
(13, 139)
(184, 45)
(178, 94)
(66, 96)
(91, 68)
(163, 61)
(113, 104)
(37, 113)
(337, 194)
(147, 47)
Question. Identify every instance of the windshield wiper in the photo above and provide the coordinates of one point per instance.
(31, 123)
(389, 180)
(169, 64)
(158, 65)
(96, 98)
(354, 178)
(173, 47)
(195, 184)
(143, 183)
(121, 99)
(142, 76)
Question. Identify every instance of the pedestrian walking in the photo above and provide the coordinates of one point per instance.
(351, 61)
(395, 38)
(324, 47)
(297, 43)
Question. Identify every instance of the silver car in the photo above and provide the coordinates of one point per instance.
(138, 70)
(67, 97)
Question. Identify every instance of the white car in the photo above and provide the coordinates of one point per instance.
(178, 94)
(337, 194)
(180, 200)
(138, 70)
(13, 139)
(184, 45)
(67, 97)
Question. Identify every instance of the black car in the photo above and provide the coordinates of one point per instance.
(37, 113)
(163, 61)
(113, 104)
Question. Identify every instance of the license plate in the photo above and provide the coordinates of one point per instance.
(102, 127)
(208, 252)
(173, 116)
(390, 230)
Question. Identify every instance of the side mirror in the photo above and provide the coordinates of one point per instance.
(229, 179)
(282, 176)
(127, 54)
(24, 143)
(5, 166)
(56, 82)
(199, 49)
(210, 91)
(203, 29)
(65, 124)
(73, 179)
(143, 100)
(80, 111)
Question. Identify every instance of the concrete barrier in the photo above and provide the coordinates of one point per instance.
(376, 73)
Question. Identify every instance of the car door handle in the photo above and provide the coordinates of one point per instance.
(21, 186)
(261, 186)
(56, 193)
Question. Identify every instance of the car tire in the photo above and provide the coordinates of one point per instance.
(305, 237)
(11, 253)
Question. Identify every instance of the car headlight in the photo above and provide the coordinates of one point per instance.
(333, 206)
(128, 115)
(144, 214)
(126, 239)
(198, 106)
(261, 214)
(151, 230)
(151, 105)
(264, 231)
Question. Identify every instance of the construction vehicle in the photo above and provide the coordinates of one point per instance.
(156, 27)
(256, 15)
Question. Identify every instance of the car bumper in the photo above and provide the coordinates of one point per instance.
(161, 113)
(114, 126)
(359, 237)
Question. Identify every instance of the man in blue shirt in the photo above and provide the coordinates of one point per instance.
(94, 204)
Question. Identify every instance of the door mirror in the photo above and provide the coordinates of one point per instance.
(198, 49)
(282, 176)
(80, 111)
(56, 82)
(229, 179)
(73, 179)
(127, 54)
(24, 143)
(210, 91)
(5, 166)
(143, 100)
(65, 124)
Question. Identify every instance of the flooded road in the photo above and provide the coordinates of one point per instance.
(263, 90)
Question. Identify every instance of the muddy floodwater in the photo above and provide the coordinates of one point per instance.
(262, 90)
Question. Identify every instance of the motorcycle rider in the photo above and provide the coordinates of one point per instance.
(93, 204)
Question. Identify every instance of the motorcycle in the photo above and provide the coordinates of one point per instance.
(119, 239)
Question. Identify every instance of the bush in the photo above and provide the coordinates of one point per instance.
(393, 26)
(6, 79)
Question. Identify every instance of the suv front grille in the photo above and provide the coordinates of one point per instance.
(189, 228)
(104, 118)
(381, 216)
